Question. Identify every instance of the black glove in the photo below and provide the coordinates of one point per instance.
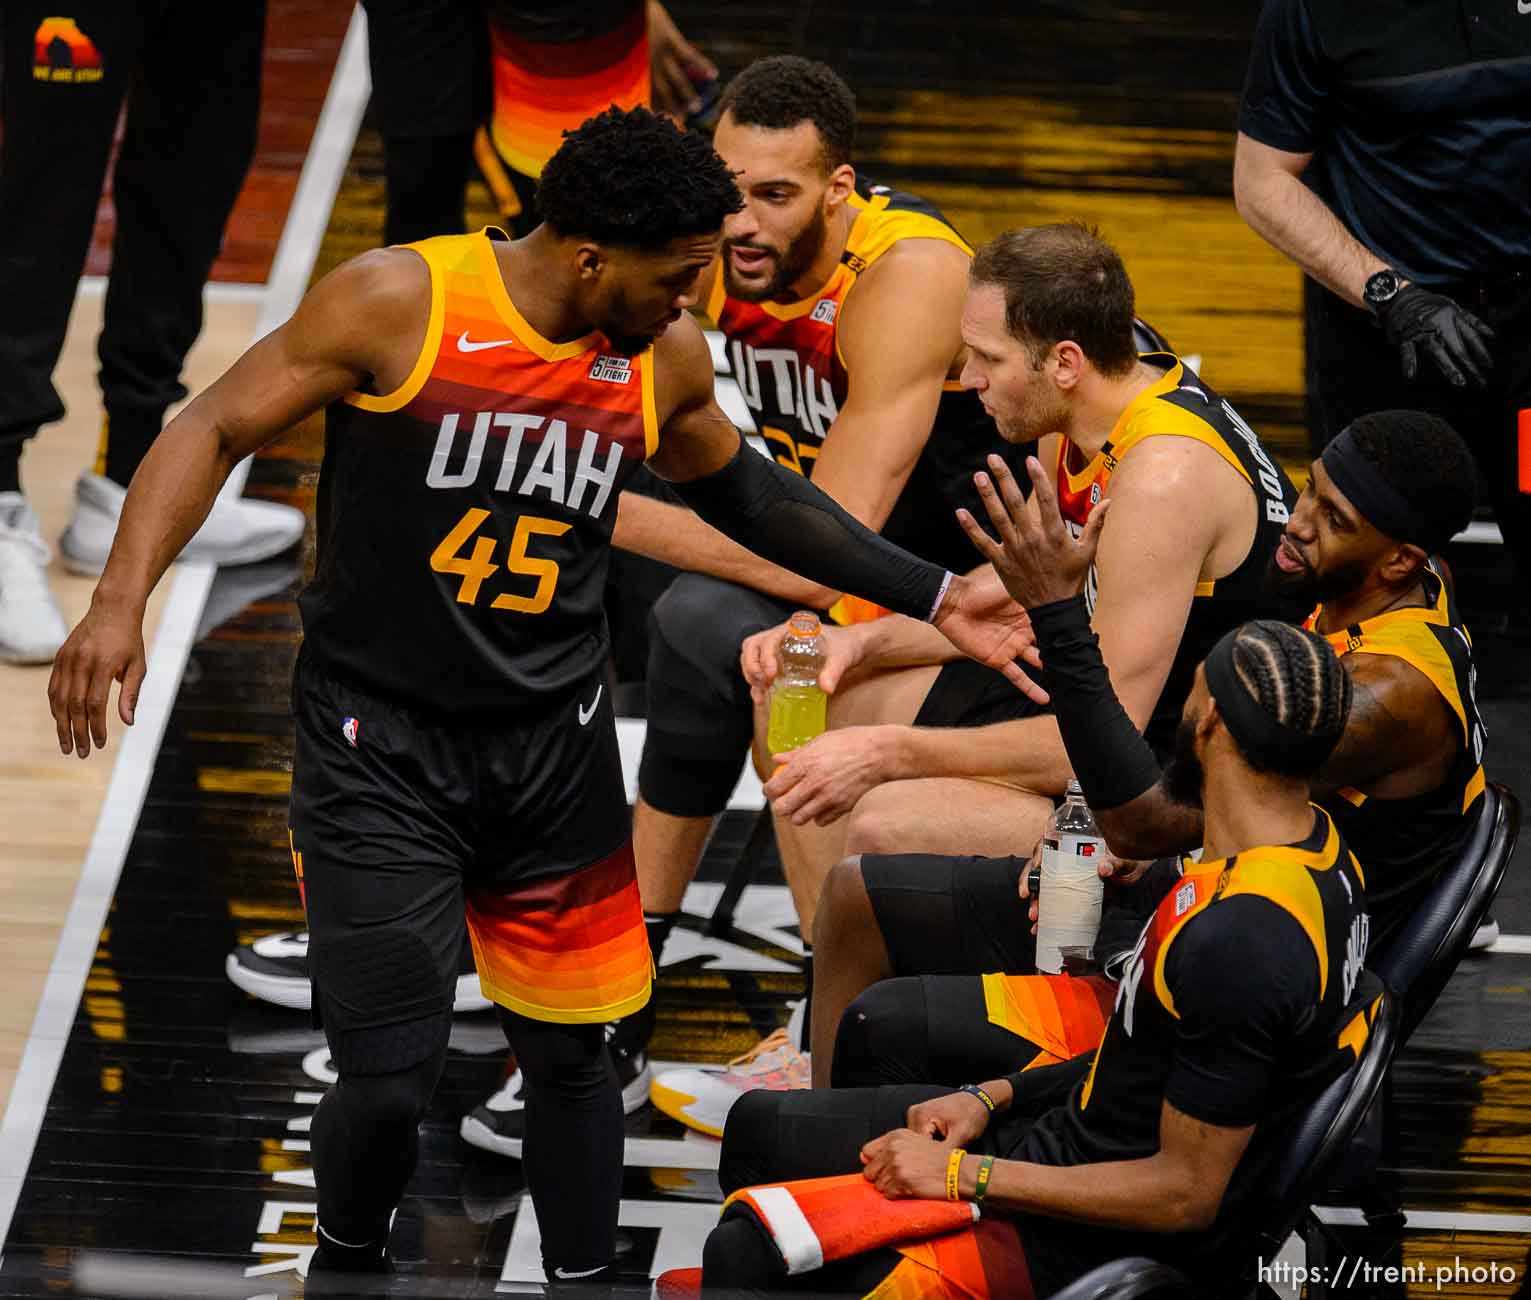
(1416, 320)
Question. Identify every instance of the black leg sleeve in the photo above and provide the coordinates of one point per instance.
(191, 124)
(365, 1143)
(772, 1137)
(931, 1029)
(54, 143)
(573, 1151)
(739, 1261)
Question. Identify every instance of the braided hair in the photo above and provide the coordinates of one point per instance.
(1297, 680)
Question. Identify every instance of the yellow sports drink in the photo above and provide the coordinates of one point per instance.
(797, 702)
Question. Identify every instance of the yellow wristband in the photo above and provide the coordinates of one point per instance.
(952, 1165)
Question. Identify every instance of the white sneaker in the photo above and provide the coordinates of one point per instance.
(1485, 936)
(31, 628)
(701, 1099)
(236, 531)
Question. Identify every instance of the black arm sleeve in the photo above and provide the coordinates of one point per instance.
(1111, 759)
(1284, 96)
(1244, 977)
(781, 516)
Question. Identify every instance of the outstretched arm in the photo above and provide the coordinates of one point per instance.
(347, 329)
(783, 517)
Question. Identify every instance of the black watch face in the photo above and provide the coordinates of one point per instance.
(1381, 286)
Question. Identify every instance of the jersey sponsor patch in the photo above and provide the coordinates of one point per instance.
(1185, 898)
(612, 370)
(350, 728)
(824, 311)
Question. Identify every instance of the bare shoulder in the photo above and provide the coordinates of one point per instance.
(682, 361)
(906, 304)
(373, 309)
(1396, 688)
(1174, 472)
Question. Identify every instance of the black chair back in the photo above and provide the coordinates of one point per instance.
(1280, 1174)
(1420, 958)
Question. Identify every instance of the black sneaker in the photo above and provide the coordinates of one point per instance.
(499, 1123)
(275, 969)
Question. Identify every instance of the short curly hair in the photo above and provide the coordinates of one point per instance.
(1425, 461)
(784, 90)
(634, 179)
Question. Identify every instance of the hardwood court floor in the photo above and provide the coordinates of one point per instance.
(177, 1131)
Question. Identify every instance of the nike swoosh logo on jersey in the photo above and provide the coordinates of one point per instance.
(464, 344)
(586, 714)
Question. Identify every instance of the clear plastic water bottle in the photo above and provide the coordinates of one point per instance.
(1068, 900)
(797, 701)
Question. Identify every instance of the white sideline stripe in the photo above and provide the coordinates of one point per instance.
(1517, 943)
(334, 135)
(800, 1247)
(1429, 1220)
(1483, 532)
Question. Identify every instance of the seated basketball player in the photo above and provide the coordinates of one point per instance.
(821, 273)
(485, 401)
(1244, 996)
(1403, 785)
(1198, 507)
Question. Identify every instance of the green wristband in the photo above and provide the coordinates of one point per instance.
(985, 1172)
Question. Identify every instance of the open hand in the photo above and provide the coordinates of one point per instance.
(978, 617)
(106, 647)
(1036, 557)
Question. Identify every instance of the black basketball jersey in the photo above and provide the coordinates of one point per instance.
(1404, 843)
(464, 519)
(1236, 1005)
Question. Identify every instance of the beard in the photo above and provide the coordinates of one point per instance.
(791, 264)
(1309, 587)
(1183, 773)
(629, 345)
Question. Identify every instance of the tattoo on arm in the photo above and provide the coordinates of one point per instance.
(1372, 746)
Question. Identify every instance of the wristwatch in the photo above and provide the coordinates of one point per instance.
(1381, 288)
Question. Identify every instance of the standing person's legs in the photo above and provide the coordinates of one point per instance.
(375, 818)
(559, 940)
(192, 117)
(430, 80)
(61, 88)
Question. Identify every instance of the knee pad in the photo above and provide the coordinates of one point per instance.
(884, 1036)
(382, 999)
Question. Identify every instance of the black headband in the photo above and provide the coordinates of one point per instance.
(1264, 740)
(1379, 502)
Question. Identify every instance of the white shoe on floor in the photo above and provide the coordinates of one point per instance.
(31, 628)
(237, 531)
(701, 1098)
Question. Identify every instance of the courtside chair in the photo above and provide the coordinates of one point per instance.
(1421, 957)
